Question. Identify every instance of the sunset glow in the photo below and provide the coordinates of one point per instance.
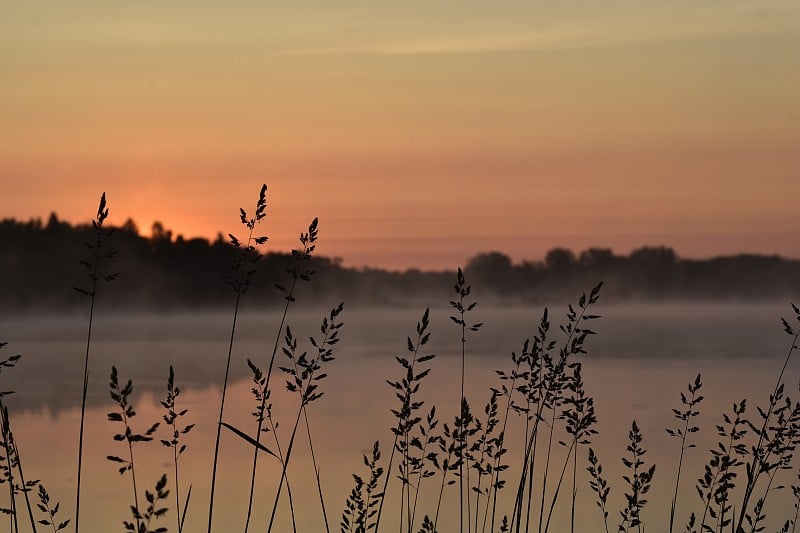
(419, 133)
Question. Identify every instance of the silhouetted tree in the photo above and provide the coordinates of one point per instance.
(491, 270)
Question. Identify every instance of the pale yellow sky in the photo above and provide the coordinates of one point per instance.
(419, 132)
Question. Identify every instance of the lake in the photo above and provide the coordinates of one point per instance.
(638, 364)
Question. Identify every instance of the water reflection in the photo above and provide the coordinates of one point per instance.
(640, 361)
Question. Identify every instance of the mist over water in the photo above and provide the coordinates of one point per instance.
(641, 359)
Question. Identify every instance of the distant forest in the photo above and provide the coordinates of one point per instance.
(40, 265)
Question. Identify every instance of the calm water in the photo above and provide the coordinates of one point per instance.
(638, 364)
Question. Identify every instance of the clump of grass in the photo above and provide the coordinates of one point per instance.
(406, 416)
(761, 451)
(719, 476)
(171, 418)
(580, 421)
(262, 413)
(508, 387)
(8, 462)
(11, 459)
(297, 272)
(484, 452)
(121, 396)
(303, 378)
(547, 381)
(94, 274)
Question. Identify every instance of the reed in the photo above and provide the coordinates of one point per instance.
(639, 480)
(171, 419)
(120, 395)
(462, 307)
(685, 415)
(238, 280)
(94, 274)
(360, 507)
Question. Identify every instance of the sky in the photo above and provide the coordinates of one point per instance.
(419, 132)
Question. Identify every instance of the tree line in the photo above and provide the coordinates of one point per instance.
(40, 263)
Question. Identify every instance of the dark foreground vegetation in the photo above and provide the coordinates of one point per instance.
(36, 257)
(463, 463)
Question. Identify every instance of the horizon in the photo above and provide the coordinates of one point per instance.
(343, 261)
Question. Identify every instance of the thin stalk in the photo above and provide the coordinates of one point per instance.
(402, 509)
(273, 427)
(469, 506)
(546, 469)
(708, 500)
(495, 477)
(516, 516)
(283, 470)
(678, 477)
(25, 492)
(687, 415)
(477, 503)
(97, 224)
(11, 444)
(13, 517)
(316, 470)
(491, 412)
(530, 453)
(186, 506)
(133, 470)
(408, 485)
(558, 485)
(419, 484)
(177, 490)
(386, 485)
(531, 466)
(462, 432)
(239, 287)
(441, 492)
(263, 402)
(86, 381)
(221, 411)
(574, 489)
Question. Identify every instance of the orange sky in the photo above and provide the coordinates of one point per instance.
(420, 133)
